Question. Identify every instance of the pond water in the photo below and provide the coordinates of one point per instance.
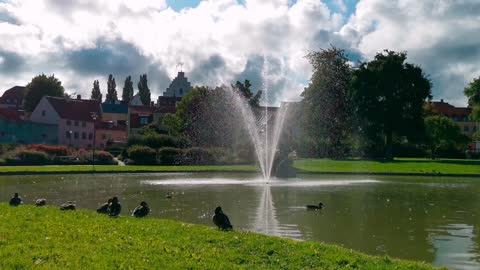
(436, 220)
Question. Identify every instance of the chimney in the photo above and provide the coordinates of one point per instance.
(152, 104)
(79, 97)
(441, 100)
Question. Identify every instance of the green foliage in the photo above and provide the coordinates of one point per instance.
(388, 95)
(142, 155)
(111, 90)
(96, 94)
(39, 87)
(472, 91)
(127, 93)
(172, 124)
(326, 105)
(246, 92)
(444, 136)
(170, 156)
(198, 156)
(27, 157)
(143, 90)
(157, 141)
(47, 238)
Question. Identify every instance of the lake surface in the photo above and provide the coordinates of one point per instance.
(436, 220)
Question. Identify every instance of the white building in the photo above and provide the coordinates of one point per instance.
(179, 87)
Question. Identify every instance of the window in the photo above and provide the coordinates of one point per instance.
(465, 119)
(180, 91)
(68, 135)
(90, 136)
(8, 100)
(69, 123)
(76, 123)
(104, 136)
(84, 135)
(2, 134)
(84, 124)
(144, 120)
(43, 113)
(75, 135)
(474, 129)
(455, 118)
(466, 128)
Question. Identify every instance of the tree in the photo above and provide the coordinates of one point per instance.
(143, 90)
(96, 94)
(326, 104)
(388, 95)
(111, 90)
(244, 90)
(472, 91)
(127, 93)
(443, 135)
(39, 87)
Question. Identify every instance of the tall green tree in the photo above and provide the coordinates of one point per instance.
(443, 136)
(143, 90)
(39, 87)
(96, 94)
(326, 104)
(127, 93)
(111, 90)
(388, 95)
(472, 91)
(246, 92)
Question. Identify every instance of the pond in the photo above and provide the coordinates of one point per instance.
(436, 220)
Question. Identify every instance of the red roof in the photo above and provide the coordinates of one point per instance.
(166, 109)
(76, 109)
(449, 110)
(9, 114)
(109, 125)
(142, 109)
(13, 95)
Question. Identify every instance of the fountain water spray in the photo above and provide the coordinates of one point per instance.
(264, 127)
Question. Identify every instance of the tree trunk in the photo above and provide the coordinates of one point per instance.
(389, 146)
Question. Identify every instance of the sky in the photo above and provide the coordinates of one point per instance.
(222, 41)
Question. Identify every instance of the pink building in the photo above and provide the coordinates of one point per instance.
(74, 118)
(109, 131)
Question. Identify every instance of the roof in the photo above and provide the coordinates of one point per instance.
(449, 110)
(142, 109)
(166, 109)
(109, 125)
(75, 109)
(9, 114)
(114, 108)
(16, 92)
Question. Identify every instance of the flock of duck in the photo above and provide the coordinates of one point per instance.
(113, 208)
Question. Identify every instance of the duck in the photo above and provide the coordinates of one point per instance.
(221, 220)
(169, 195)
(103, 209)
(40, 202)
(68, 206)
(315, 207)
(15, 200)
(141, 211)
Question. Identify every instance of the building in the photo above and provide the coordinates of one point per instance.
(136, 100)
(13, 98)
(139, 117)
(110, 132)
(75, 118)
(117, 113)
(179, 87)
(14, 129)
(459, 115)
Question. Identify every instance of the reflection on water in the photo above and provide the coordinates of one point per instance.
(435, 220)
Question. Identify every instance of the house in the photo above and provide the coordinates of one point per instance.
(14, 129)
(75, 118)
(459, 115)
(138, 117)
(179, 87)
(110, 132)
(115, 112)
(13, 98)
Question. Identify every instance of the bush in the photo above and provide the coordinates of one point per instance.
(51, 150)
(104, 158)
(198, 156)
(27, 157)
(142, 155)
(170, 156)
(156, 141)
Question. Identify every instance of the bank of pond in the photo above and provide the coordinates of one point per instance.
(47, 238)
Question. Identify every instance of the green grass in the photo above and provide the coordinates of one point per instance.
(399, 165)
(47, 238)
(114, 168)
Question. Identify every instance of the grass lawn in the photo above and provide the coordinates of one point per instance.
(47, 238)
(399, 165)
(115, 168)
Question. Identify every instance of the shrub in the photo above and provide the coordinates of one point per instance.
(156, 141)
(142, 155)
(104, 158)
(51, 150)
(198, 156)
(27, 157)
(170, 156)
